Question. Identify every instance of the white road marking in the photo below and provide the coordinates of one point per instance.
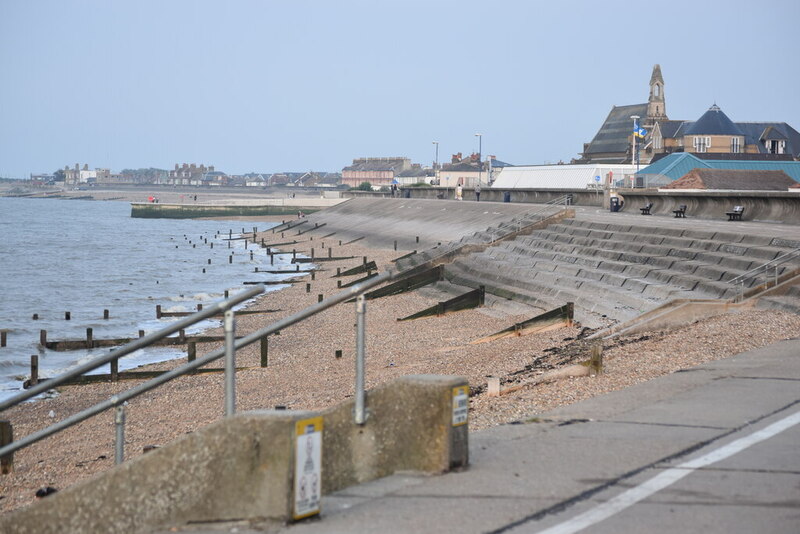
(669, 477)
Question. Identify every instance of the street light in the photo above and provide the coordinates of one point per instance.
(436, 163)
(480, 165)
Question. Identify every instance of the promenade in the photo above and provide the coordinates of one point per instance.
(710, 449)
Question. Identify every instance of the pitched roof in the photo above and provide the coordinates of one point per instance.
(730, 179)
(377, 164)
(656, 76)
(713, 122)
(460, 167)
(677, 164)
(669, 128)
(614, 135)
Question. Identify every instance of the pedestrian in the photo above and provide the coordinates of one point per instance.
(478, 193)
(459, 192)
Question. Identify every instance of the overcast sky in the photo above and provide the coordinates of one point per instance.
(302, 85)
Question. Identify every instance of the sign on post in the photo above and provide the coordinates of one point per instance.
(308, 467)
(460, 405)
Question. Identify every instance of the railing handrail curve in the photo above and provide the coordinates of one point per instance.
(200, 361)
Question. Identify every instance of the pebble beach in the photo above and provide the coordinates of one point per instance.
(305, 373)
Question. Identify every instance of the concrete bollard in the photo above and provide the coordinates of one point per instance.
(114, 370)
(330, 252)
(191, 351)
(320, 297)
(313, 275)
(308, 288)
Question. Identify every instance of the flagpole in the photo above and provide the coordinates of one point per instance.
(634, 155)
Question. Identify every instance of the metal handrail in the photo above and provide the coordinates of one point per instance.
(133, 346)
(120, 398)
(763, 268)
(783, 258)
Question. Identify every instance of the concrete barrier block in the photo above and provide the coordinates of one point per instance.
(409, 428)
(238, 467)
(243, 467)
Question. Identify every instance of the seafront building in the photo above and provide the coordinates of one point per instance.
(712, 133)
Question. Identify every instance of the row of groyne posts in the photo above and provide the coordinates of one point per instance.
(36, 382)
(371, 279)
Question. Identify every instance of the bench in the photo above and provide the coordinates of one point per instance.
(680, 212)
(646, 209)
(735, 214)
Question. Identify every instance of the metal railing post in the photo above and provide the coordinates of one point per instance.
(361, 310)
(230, 363)
(119, 442)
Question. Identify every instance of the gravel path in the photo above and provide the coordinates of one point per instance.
(304, 373)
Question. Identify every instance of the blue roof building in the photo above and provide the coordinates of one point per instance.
(678, 164)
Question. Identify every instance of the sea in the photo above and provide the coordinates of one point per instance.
(84, 257)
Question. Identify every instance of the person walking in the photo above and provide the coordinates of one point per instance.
(478, 193)
(459, 192)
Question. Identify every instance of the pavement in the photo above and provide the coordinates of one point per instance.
(710, 449)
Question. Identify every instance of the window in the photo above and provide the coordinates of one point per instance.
(735, 148)
(775, 146)
(702, 144)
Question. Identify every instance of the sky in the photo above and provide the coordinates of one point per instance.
(275, 86)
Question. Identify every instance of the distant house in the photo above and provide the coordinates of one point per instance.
(254, 179)
(378, 172)
(192, 174)
(417, 174)
(732, 180)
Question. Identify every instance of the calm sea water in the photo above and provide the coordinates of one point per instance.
(82, 257)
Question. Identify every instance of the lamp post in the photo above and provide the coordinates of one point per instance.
(480, 164)
(635, 154)
(436, 163)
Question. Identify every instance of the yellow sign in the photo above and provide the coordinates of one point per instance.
(460, 405)
(308, 467)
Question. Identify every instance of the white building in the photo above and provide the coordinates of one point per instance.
(562, 176)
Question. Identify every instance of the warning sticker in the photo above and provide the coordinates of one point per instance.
(308, 467)
(460, 405)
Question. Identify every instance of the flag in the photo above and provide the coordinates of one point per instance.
(640, 132)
